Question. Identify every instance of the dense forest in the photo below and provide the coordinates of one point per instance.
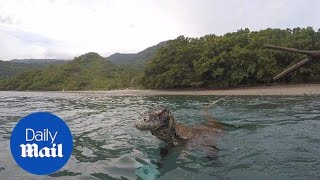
(230, 60)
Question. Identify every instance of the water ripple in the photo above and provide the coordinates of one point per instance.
(272, 138)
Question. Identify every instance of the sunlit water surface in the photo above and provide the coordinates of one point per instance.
(276, 138)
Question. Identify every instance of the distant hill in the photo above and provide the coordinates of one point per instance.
(8, 69)
(38, 61)
(135, 58)
(18, 66)
(86, 72)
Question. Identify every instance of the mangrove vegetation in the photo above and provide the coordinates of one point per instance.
(234, 59)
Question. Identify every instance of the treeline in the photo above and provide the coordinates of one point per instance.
(86, 72)
(233, 59)
(230, 60)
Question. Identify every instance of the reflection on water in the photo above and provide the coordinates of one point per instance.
(276, 138)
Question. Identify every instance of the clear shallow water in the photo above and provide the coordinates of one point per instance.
(277, 138)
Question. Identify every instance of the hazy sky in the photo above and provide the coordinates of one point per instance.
(66, 28)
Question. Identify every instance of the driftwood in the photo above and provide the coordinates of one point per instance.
(312, 55)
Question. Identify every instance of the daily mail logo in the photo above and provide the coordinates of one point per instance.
(41, 143)
(32, 150)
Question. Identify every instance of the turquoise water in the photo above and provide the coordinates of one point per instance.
(276, 138)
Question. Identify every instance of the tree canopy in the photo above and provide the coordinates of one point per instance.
(231, 60)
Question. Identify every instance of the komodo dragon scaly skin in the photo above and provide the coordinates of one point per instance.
(162, 124)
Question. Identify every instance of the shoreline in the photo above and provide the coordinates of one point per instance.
(277, 90)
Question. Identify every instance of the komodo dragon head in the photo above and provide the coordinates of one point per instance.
(160, 123)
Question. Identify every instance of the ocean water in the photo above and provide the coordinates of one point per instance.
(277, 137)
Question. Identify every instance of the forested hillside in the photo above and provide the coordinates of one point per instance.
(230, 60)
(15, 67)
(137, 59)
(8, 69)
(86, 72)
(38, 61)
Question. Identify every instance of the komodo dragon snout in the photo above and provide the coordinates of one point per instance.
(160, 123)
(153, 120)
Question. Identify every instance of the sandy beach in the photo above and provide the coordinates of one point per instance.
(277, 90)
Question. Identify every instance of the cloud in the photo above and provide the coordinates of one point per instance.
(12, 47)
(74, 27)
(6, 20)
(19, 44)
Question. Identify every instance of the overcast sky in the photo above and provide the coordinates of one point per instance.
(67, 28)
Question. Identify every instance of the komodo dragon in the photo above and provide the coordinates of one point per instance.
(162, 124)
